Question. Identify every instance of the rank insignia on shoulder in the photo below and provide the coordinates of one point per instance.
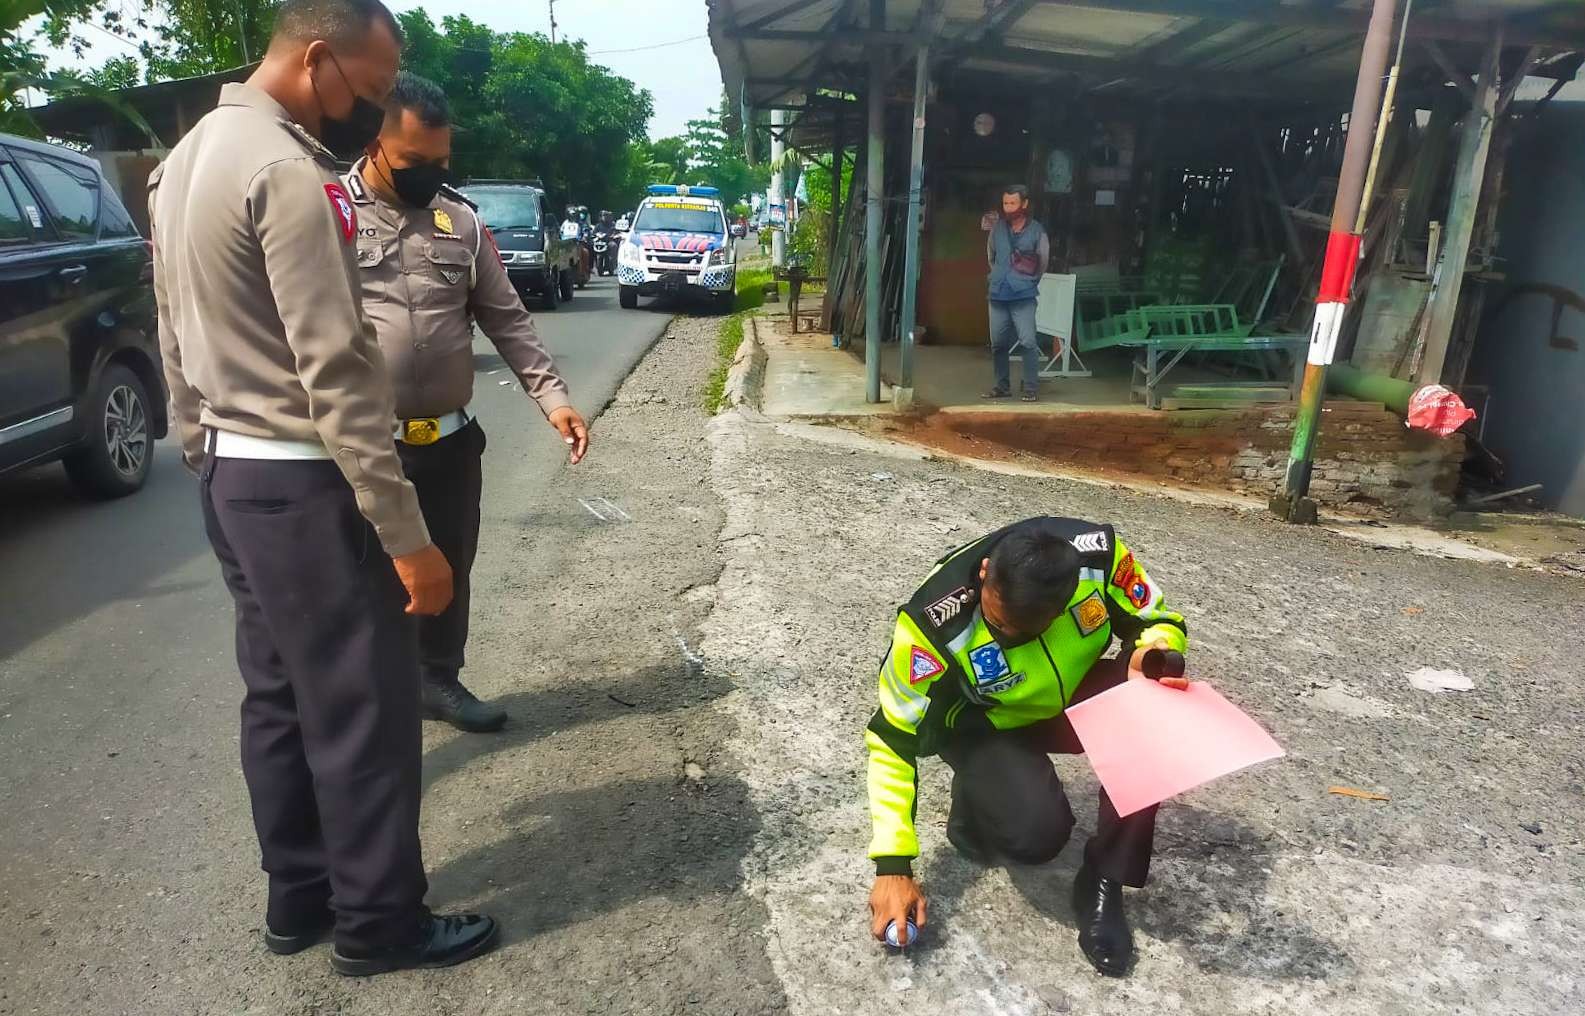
(1092, 543)
(1089, 614)
(443, 222)
(949, 606)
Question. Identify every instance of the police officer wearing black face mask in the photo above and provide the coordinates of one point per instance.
(429, 269)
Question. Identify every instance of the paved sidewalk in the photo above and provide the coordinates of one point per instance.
(1269, 895)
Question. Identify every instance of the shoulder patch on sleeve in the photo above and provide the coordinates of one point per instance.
(346, 215)
(923, 665)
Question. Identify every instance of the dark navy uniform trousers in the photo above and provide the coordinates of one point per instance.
(1009, 802)
(330, 720)
(449, 478)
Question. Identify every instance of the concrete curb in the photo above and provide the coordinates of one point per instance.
(745, 378)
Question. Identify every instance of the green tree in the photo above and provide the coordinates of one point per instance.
(22, 66)
(715, 155)
(527, 108)
(186, 38)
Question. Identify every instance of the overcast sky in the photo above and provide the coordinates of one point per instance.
(631, 37)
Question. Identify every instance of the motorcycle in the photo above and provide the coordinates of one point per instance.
(604, 247)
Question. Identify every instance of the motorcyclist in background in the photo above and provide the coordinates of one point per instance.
(605, 229)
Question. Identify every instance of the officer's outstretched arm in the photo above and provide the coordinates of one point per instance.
(892, 738)
(504, 319)
(1139, 612)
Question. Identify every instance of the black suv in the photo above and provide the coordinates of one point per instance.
(538, 261)
(80, 376)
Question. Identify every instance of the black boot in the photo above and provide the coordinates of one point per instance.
(296, 938)
(451, 702)
(441, 942)
(1103, 928)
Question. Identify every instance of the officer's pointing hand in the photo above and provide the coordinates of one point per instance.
(427, 575)
(894, 898)
(572, 430)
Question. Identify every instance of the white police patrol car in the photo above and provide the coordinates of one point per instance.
(678, 244)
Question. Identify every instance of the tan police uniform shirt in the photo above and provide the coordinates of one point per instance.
(261, 326)
(426, 272)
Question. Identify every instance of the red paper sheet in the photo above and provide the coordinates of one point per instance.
(1148, 742)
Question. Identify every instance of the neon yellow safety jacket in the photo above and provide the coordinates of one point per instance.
(945, 674)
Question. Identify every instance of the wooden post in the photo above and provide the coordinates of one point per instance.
(838, 147)
(1468, 178)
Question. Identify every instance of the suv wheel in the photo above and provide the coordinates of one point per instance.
(551, 294)
(627, 297)
(566, 285)
(118, 450)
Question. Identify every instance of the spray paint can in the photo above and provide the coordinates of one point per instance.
(891, 935)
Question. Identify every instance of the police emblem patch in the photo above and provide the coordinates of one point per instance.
(346, 215)
(949, 606)
(443, 222)
(924, 665)
(451, 277)
(1089, 614)
(989, 663)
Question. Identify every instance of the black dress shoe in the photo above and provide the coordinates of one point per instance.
(442, 942)
(452, 703)
(1104, 935)
(295, 940)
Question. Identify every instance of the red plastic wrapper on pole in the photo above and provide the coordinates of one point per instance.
(1438, 410)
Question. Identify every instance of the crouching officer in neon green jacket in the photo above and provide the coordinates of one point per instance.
(1004, 635)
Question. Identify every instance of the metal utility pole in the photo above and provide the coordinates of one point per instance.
(242, 32)
(1342, 260)
(874, 184)
(916, 175)
(552, 22)
(778, 189)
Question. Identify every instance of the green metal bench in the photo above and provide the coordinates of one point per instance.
(1174, 329)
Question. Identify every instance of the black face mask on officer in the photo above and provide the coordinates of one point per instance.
(415, 185)
(346, 137)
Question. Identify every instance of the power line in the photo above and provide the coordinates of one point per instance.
(640, 49)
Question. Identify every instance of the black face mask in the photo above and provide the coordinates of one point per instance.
(347, 137)
(418, 185)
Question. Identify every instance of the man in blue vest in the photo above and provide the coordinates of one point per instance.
(1017, 252)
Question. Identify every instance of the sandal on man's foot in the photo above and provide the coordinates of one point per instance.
(1030, 397)
(997, 393)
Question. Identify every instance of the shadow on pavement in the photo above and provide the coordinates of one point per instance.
(65, 556)
(1219, 916)
(549, 711)
(595, 851)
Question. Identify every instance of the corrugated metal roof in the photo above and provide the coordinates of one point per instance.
(776, 51)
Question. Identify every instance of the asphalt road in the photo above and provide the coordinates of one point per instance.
(129, 863)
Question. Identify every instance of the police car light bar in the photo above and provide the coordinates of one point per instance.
(684, 190)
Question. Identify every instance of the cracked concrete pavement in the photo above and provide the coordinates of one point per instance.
(1268, 894)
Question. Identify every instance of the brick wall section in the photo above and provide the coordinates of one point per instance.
(1365, 459)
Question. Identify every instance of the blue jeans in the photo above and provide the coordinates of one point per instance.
(1013, 327)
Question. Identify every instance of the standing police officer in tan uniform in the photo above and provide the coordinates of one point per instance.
(429, 269)
(283, 406)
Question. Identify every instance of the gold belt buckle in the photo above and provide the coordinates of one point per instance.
(425, 431)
